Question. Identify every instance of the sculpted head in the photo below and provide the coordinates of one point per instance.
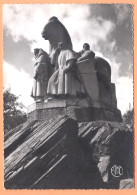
(38, 51)
(55, 32)
(61, 46)
(49, 28)
(86, 46)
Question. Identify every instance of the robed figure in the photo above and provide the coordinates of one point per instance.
(41, 75)
(65, 80)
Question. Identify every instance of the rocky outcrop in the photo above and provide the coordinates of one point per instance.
(111, 144)
(62, 154)
(126, 184)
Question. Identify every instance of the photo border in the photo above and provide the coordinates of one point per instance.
(67, 192)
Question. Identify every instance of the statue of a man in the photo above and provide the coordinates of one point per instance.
(86, 53)
(41, 75)
(64, 80)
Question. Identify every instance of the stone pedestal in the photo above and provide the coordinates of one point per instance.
(80, 110)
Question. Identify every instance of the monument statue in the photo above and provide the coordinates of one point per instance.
(65, 80)
(41, 75)
(86, 53)
(54, 31)
(77, 83)
(94, 81)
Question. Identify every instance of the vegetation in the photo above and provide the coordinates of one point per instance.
(13, 111)
(128, 117)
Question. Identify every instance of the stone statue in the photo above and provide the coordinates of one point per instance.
(78, 83)
(55, 32)
(86, 53)
(41, 75)
(106, 89)
(65, 81)
(89, 74)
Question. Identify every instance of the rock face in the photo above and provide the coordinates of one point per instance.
(127, 184)
(111, 144)
(62, 154)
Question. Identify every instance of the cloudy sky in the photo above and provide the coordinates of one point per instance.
(107, 28)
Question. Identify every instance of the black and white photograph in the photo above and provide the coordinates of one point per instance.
(68, 102)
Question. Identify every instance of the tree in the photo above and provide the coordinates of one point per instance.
(128, 117)
(13, 112)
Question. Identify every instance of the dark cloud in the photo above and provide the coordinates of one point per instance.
(121, 16)
(17, 53)
(106, 11)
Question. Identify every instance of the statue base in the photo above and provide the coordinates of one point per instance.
(80, 110)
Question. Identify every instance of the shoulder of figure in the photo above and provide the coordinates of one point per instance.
(81, 52)
(89, 52)
(43, 57)
(92, 52)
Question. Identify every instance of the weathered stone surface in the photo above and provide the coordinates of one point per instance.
(107, 95)
(126, 184)
(17, 136)
(103, 164)
(77, 110)
(49, 104)
(61, 154)
(111, 144)
(49, 157)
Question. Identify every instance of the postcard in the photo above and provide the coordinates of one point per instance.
(68, 97)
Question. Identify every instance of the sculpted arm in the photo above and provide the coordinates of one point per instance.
(82, 58)
(86, 55)
(69, 65)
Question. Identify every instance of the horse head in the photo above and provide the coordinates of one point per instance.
(54, 31)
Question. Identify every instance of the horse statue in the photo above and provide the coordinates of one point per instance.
(55, 32)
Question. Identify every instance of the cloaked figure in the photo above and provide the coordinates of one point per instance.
(41, 75)
(86, 53)
(65, 81)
